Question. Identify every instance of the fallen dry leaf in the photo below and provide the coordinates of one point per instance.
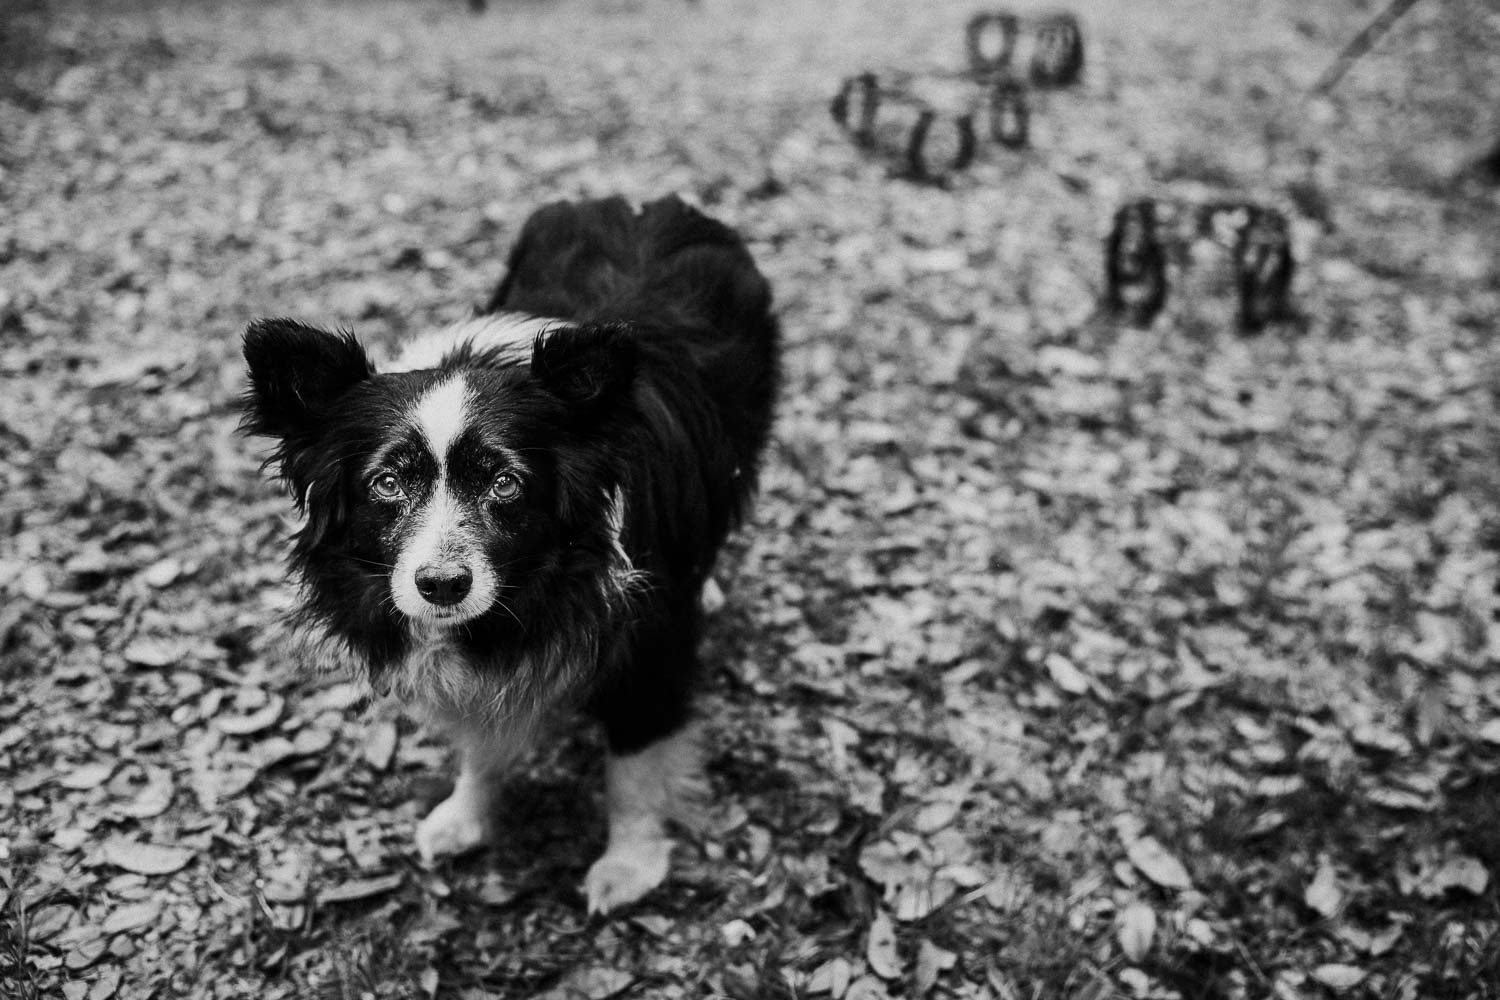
(1158, 864)
(153, 799)
(867, 988)
(1066, 676)
(935, 815)
(287, 883)
(880, 947)
(652, 923)
(87, 776)
(271, 751)
(833, 977)
(245, 725)
(149, 652)
(594, 983)
(1463, 872)
(379, 747)
(360, 888)
(932, 962)
(106, 985)
(146, 859)
(162, 573)
(131, 916)
(1322, 894)
(1339, 977)
(49, 921)
(495, 891)
(736, 932)
(1136, 930)
(312, 741)
(86, 953)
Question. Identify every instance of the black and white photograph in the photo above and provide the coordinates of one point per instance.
(749, 500)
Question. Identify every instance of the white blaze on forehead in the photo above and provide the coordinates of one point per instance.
(441, 415)
(441, 530)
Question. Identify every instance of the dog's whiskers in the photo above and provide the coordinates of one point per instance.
(507, 609)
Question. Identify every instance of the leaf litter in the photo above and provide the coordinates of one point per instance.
(1016, 571)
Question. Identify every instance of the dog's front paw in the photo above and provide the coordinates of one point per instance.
(626, 873)
(453, 827)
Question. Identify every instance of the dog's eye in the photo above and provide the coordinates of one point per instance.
(386, 487)
(507, 487)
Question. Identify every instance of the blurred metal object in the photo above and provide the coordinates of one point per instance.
(924, 142)
(990, 41)
(1150, 233)
(1135, 264)
(939, 145)
(1009, 114)
(1263, 268)
(1046, 49)
(855, 105)
(1056, 51)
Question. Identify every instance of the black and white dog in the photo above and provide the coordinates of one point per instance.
(515, 519)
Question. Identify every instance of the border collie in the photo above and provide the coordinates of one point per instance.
(514, 521)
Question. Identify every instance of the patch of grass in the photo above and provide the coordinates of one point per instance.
(365, 962)
(16, 969)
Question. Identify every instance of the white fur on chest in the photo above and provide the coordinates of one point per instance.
(510, 334)
(437, 682)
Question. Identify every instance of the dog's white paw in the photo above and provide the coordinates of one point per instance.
(626, 873)
(454, 827)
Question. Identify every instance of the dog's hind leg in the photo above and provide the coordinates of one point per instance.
(653, 773)
(644, 790)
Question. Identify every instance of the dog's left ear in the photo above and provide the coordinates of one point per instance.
(590, 368)
(296, 372)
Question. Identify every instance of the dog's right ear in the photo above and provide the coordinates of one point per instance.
(296, 373)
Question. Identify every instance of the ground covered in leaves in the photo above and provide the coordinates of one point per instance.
(1062, 659)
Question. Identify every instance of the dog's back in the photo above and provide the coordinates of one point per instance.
(599, 261)
(667, 267)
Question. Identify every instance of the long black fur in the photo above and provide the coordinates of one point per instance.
(662, 389)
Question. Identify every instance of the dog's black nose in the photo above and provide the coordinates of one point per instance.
(444, 583)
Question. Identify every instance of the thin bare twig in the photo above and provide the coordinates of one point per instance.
(1360, 44)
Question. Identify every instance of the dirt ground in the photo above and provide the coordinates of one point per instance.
(1061, 659)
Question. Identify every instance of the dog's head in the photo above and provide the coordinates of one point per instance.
(438, 497)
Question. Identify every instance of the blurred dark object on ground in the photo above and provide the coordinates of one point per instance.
(1263, 268)
(924, 143)
(1009, 114)
(1487, 166)
(1048, 50)
(1148, 233)
(1135, 264)
(24, 53)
